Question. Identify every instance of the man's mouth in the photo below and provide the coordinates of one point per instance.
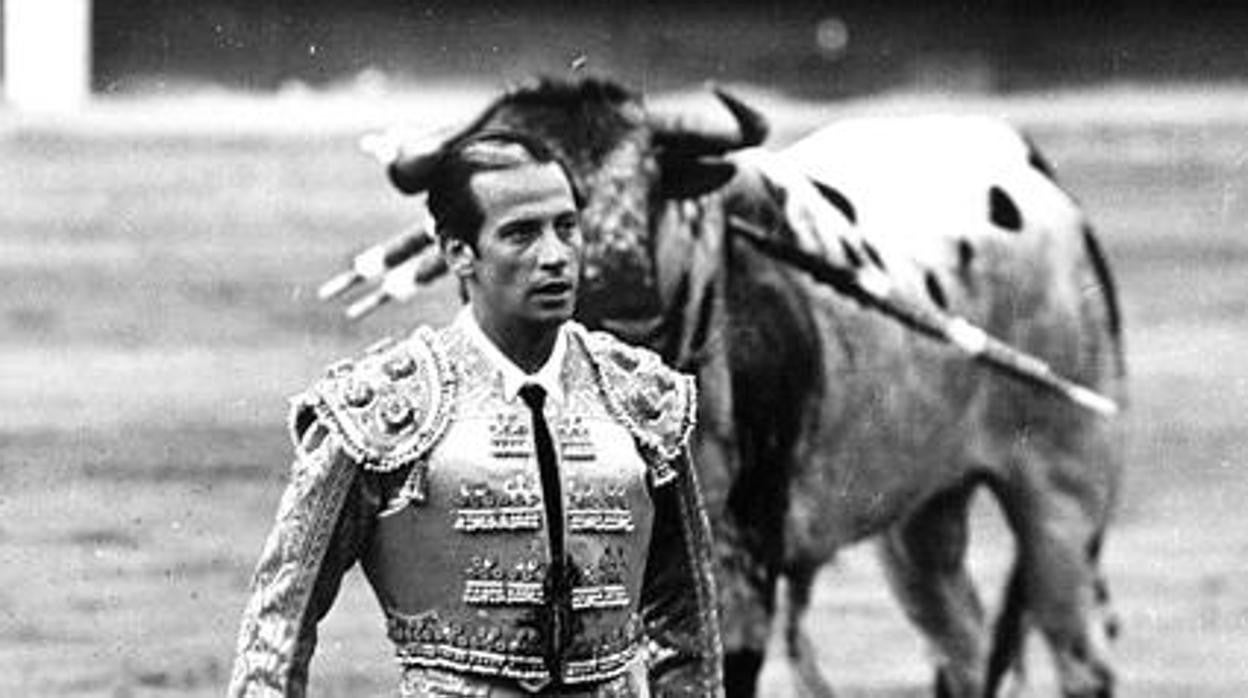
(552, 288)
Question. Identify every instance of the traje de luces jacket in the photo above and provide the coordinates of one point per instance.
(412, 462)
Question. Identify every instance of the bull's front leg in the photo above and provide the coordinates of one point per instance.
(746, 592)
(746, 585)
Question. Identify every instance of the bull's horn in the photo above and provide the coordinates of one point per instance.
(753, 125)
(676, 133)
(408, 160)
(413, 163)
(414, 160)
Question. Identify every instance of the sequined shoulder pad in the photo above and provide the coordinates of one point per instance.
(655, 403)
(390, 406)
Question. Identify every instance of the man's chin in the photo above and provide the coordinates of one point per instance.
(549, 315)
(556, 308)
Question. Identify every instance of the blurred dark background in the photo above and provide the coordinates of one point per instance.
(807, 48)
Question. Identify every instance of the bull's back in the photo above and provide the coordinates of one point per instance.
(989, 237)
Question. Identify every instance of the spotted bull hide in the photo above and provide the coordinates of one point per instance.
(823, 423)
(844, 426)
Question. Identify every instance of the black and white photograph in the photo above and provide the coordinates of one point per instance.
(685, 349)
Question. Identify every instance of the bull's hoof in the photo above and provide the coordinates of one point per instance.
(1098, 682)
(741, 669)
(950, 685)
(1104, 691)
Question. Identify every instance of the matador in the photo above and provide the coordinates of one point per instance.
(516, 488)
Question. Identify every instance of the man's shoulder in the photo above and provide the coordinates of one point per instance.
(385, 406)
(656, 402)
(606, 345)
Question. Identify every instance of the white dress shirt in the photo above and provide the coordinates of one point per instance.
(548, 376)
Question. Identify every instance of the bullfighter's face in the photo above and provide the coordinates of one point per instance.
(523, 272)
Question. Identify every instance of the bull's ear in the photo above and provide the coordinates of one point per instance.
(684, 178)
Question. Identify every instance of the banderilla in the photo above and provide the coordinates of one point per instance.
(945, 327)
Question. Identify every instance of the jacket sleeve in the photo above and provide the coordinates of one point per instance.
(316, 538)
(679, 601)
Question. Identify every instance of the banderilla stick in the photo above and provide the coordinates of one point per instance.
(377, 260)
(399, 284)
(951, 329)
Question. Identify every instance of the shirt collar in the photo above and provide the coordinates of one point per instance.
(548, 376)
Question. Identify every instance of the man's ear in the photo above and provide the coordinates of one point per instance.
(459, 257)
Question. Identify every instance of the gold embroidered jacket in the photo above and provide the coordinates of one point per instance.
(412, 462)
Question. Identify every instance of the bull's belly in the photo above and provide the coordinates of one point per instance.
(880, 474)
(905, 417)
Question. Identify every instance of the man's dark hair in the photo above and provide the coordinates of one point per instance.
(456, 212)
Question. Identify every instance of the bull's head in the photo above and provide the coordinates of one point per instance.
(630, 163)
(627, 161)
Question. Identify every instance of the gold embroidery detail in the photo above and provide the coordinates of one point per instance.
(430, 641)
(602, 583)
(591, 511)
(481, 508)
(510, 437)
(414, 409)
(488, 584)
(574, 440)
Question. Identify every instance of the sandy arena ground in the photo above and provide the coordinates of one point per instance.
(158, 264)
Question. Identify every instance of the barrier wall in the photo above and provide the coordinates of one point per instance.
(812, 48)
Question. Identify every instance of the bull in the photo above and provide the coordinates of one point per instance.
(824, 421)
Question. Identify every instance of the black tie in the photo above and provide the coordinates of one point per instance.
(558, 630)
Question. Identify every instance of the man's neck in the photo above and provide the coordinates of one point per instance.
(527, 346)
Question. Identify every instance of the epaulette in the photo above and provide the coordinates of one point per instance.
(388, 407)
(654, 402)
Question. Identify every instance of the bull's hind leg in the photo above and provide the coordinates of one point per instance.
(1059, 523)
(924, 559)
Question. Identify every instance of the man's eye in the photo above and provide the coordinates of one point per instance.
(520, 232)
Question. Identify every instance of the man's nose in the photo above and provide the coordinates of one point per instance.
(553, 250)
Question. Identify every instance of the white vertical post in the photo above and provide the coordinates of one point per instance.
(47, 53)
